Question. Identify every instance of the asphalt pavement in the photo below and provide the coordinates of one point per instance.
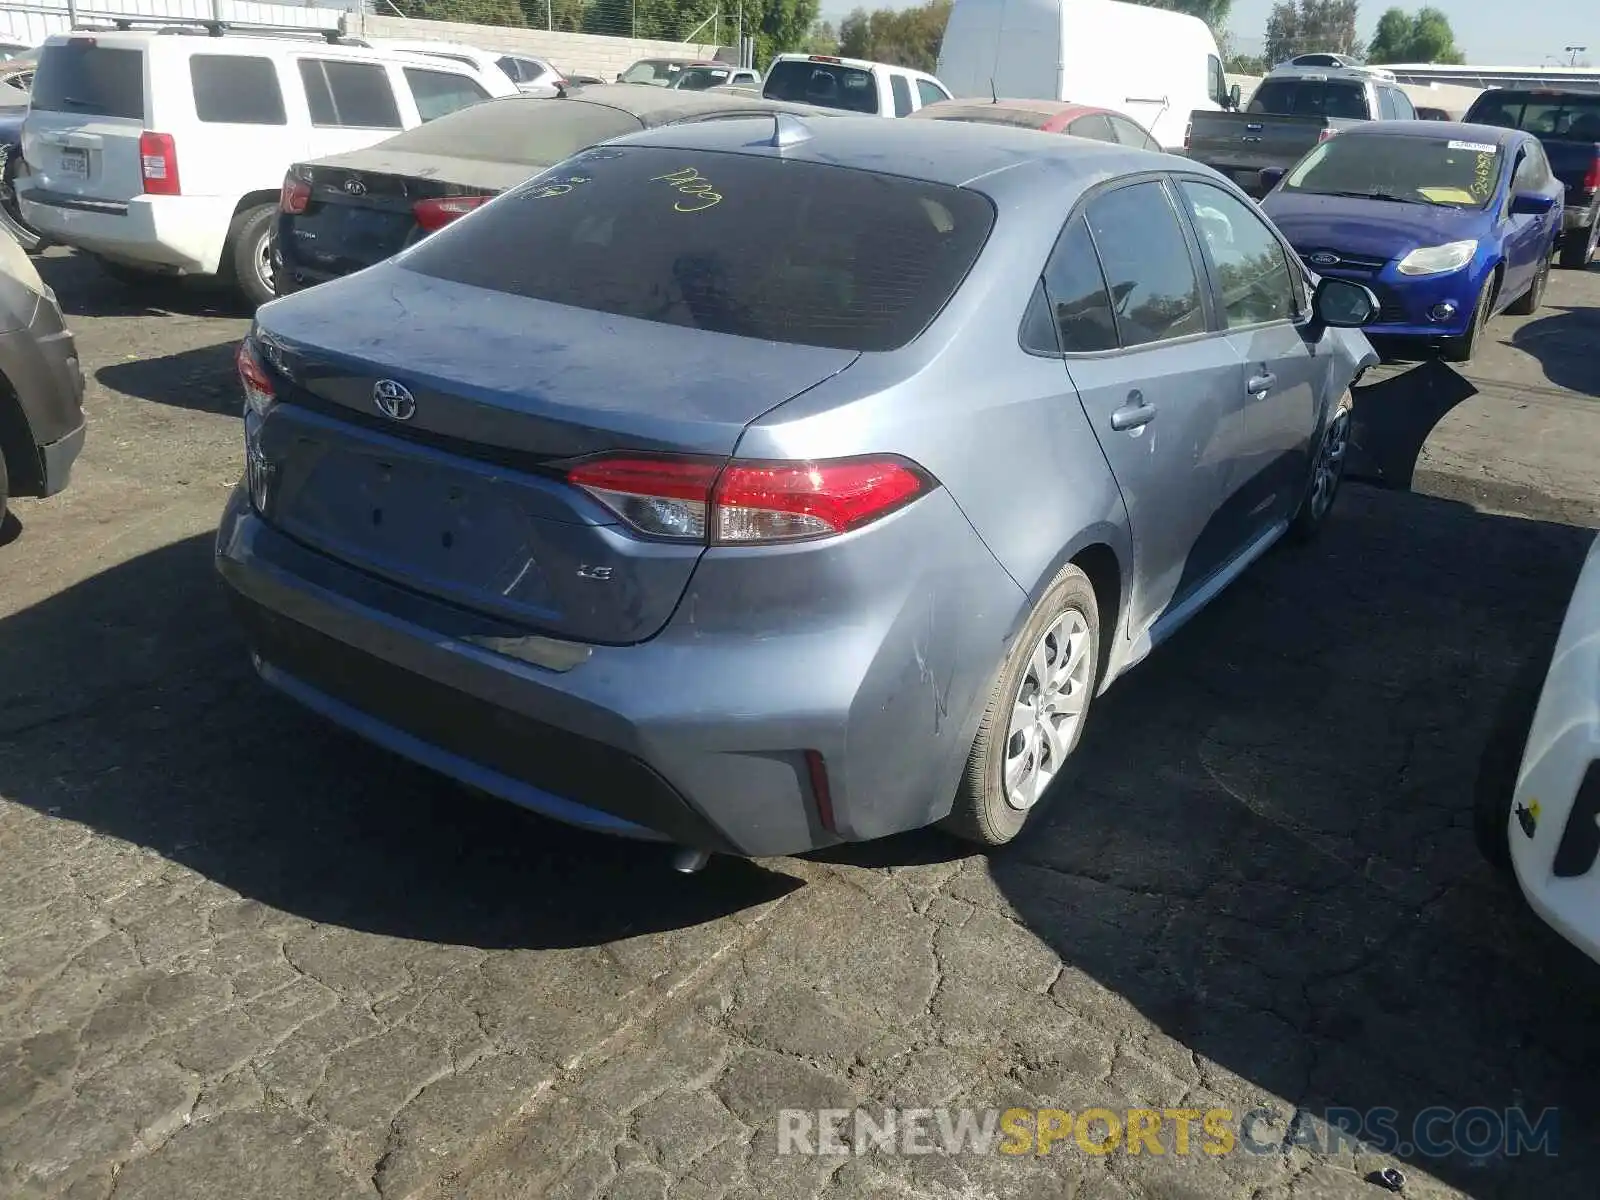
(243, 954)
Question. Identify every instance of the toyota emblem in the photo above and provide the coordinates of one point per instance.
(394, 400)
(355, 187)
(1323, 259)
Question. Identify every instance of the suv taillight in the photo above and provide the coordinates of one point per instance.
(1591, 179)
(749, 503)
(158, 163)
(440, 211)
(1325, 134)
(296, 194)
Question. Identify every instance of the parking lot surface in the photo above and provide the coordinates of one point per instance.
(243, 954)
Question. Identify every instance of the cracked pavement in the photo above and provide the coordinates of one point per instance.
(243, 954)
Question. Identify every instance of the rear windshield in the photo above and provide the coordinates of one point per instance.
(96, 81)
(1311, 98)
(758, 247)
(659, 71)
(527, 132)
(829, 85)
(1562, 117)
(697, 79)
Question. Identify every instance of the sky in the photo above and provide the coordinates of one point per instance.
(1490, 32)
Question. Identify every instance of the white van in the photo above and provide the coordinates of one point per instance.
(161, 153)
(1156, 66)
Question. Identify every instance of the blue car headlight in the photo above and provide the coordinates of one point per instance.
(1436, 260)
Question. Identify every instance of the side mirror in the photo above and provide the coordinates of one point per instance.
(1233, 97)
(1531, 204)
(1344, 304)
(1269, 177)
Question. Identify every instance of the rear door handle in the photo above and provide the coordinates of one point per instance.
(1133, 414)
(1261, 384)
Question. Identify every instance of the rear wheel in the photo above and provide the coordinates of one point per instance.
(1577, 247)
(1035, 716)
(248, 256)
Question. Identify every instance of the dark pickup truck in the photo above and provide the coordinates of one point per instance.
(1293, 109)
(1567, 125)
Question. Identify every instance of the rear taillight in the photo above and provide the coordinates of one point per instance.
(1325, 135)
(296, 194)
(158, 163)
(1591, 178)
(440, 211)
(749, 503)
(259, 394)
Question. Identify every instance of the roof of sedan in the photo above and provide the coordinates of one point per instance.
(1458, 130)
(948, 152)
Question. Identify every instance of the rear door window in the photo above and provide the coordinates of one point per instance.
(1130, 134)
(1386, 108)
(351, 94)
(89, 80)
(1093, 126)
(439, 93)
(754, 246)
(236, 89)
(1155, 290)
(902, 95)
(1077, 291)
(929, 94)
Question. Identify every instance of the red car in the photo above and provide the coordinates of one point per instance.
(1047, 116)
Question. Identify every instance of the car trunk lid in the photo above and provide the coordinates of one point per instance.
(458, 492)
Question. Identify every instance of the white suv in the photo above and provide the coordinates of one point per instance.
(533, 76)
(166, 154)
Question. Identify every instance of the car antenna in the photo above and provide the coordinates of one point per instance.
(788, 130)
(994, 96)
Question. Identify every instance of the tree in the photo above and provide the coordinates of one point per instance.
(1306, 26)
(823, 39)
(905, 38)
(1425, 37)
(1213, 12)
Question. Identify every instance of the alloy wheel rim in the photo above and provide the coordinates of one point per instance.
(1330, 463)
(1047, 709)
(263, 260)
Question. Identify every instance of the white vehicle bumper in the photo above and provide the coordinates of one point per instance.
(1554, 828)
(181, 234)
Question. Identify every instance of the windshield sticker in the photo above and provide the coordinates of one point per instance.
(1448, 195)
(1475, 147)
(1483, 176)
(696, 188)
(557, 187)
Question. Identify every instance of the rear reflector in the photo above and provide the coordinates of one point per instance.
(749, 503)
(296, 194)
(817, 769)
(259, 394)
(439, 212)
(158, 163)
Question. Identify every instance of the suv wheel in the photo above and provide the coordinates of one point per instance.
(1035, 715)
(249, 254)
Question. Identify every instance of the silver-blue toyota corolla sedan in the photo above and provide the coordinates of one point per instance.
(762, 484)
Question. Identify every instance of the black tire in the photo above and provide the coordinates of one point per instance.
(1461, 349)
(11, 214)
(1577, 247)
(1528, 303)
(1315, 505)
(981, 812)
(250, 237)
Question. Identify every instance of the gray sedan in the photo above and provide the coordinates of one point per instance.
(766, 483)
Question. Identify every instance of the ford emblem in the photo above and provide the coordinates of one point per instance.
(1323, 259)
(394, 400)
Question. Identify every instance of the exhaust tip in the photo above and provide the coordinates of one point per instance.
(690, 862)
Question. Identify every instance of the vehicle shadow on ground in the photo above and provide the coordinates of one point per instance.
(1564, 343)
(202, 379)
(1278, 871)
(85, 290)
(127, 704)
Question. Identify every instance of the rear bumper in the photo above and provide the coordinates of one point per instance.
(698, 736)
(179, 234)
(1555, 849)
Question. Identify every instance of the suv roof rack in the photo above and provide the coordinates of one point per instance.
(203, 26)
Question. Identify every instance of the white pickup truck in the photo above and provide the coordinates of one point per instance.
(851, 84)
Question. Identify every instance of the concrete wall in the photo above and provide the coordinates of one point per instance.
(577, 52)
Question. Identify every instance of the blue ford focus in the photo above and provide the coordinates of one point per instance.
(1448, 224)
